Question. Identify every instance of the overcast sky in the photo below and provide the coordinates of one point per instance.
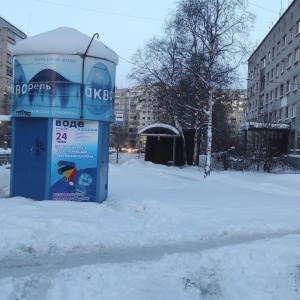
(123, 25)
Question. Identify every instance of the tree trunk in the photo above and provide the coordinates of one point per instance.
(196, 146)
(209, 135)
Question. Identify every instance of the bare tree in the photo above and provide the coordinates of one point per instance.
(158, 70)
(202, 47)
(218, 29)
(166, 67)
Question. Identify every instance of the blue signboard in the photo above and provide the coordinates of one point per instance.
(50, 86)
(74, 160)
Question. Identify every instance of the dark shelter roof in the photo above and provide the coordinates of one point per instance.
(162, 130)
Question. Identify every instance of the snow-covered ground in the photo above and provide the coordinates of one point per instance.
(163, 233)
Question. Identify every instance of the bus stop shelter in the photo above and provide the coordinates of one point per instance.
(163, 144)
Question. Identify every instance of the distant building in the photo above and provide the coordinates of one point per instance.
(139, 110)
(273, 91)
(237, 113)
(9, 36)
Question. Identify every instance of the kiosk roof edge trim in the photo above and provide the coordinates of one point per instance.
(64, 40)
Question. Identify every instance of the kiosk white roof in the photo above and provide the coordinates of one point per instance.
(64, 40)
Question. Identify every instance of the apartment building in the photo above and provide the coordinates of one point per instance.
(139, 110)
(273, 90)
(9, 36)
(236, 113)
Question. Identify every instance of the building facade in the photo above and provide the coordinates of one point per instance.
(273, 90)
(237, 113)
(139, 110)
(9, 36)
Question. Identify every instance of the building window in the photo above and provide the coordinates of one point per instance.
(277, 70)
(282, 66)
(296, 54)
(289, 60)
(279, 114)
(9, 71)
(290, 35)
(297, 27)
(272, 74)
(295, 82)
(271, 96)
(11, 35)
(273, 52)
(283, 41)
(262, 83)
(293, 110)
(276, 93)
(281, 90)
(269, 57)
(286, 112)
(9, 59)
(263, 63)
(278, 47)
(288, 86)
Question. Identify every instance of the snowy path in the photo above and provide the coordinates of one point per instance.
(28, 265)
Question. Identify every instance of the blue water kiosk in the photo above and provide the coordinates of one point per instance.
(62, 107)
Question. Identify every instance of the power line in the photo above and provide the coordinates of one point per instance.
(99, 11)
(233, 77)
(263, 8)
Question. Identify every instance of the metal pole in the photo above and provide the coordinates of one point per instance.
(174, 149)
(82, 73)
(245, 149)
(118, 144)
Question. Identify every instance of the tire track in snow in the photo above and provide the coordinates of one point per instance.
(29, 265)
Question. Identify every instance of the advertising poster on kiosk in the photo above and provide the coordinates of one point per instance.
(74, 160)
(50, 86)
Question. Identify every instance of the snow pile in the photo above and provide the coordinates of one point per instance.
(248, 125)
(163, 233)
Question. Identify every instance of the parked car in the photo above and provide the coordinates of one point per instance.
(122, 149)
(132, 150)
